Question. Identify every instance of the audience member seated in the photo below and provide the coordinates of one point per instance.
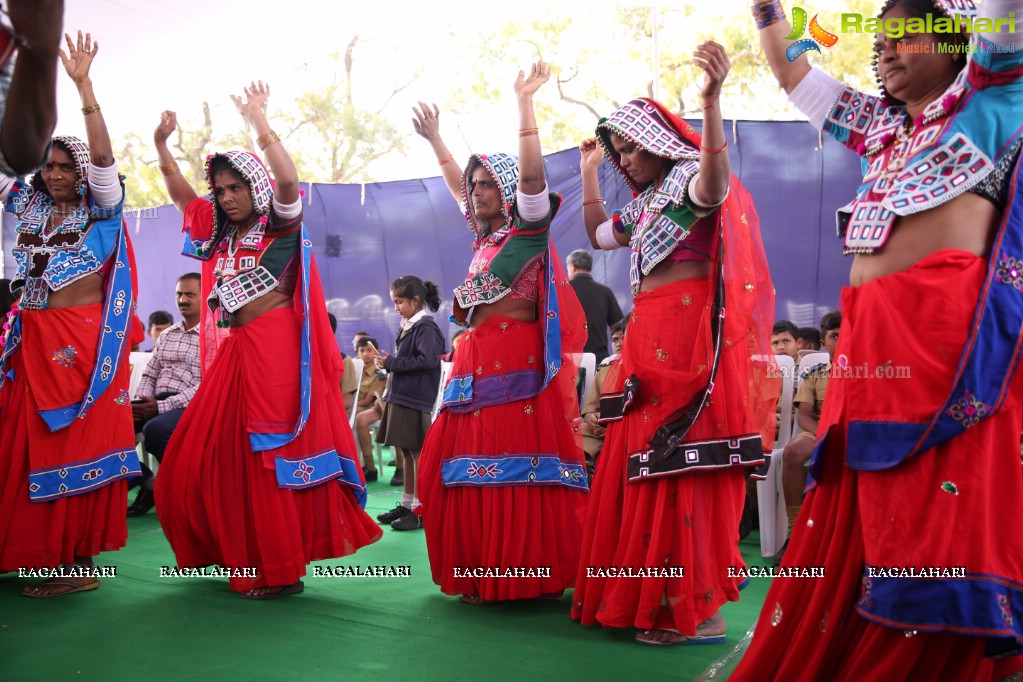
(808, 339)
(808, 401)
(593, 433)
(374, 381)
(349, 381)
(455, 340)
(159, 321)
(168, 383)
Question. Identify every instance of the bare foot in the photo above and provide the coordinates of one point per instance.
(660, 637)
(274, 592)
(471, 599)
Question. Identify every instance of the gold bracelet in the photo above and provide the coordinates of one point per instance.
(598, 200)
(266, 140)
(170, 170)
(91, 109)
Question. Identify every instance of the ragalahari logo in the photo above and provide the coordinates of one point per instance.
(818, 36)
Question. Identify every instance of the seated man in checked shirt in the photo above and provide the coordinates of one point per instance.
(168, 383)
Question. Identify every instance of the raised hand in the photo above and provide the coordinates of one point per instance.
(539, 74)
(590, 154)
(427, 122)
(79, 56)
(168, 124)
(712, 58)
(254, 101)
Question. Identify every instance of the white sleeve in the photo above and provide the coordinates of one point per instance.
(1002, 12)
(815, 95)
(533, 207)
(6, 182)
(692, 197)
(288, 211)
(105, 185)
(606, 236)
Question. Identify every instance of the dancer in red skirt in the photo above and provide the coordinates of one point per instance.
(502, 475)
(67, 444)
(912, 506)
(685, 414)
(261, 475)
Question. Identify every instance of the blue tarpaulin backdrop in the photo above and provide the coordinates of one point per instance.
(367, 235)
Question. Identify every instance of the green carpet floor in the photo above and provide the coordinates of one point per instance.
(139, 626)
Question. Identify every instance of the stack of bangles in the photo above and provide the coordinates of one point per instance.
(170, 170)
(598, 200)
(767, 12)
(526, 132)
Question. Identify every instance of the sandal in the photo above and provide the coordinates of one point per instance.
(70, 583)
(281, 591)
(472, 599)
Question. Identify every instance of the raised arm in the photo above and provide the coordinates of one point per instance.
(770, 18)
(31, 108)
(710, 186)
(427, 125)
(177, 187)
(594, 214)
(531, 173)
(77, 62)
(251, 107)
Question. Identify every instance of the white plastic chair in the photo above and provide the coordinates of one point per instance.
(770, 495)
(137, 362)
(357, 365)
(445, 374)
(588, 368)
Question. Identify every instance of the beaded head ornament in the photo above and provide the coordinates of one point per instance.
(254, 174)
(504, 168)
(644, 123)
(950, 8)
(79, 153)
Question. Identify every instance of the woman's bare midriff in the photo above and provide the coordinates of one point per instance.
(674, 271)
(966, 223)
(264, 304)
(515, 308)
(85, 291)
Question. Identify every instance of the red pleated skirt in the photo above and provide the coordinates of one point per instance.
(219, 502)
(503, 527)
(687, 521)
(50, 533)
(907, 515)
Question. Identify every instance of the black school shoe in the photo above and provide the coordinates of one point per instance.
(408, 522)
(144, 501)
(398, 478)
(370, 475)
(393, 515)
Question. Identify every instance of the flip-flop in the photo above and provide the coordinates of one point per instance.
(646, 642)
(744, 584)
(75, 587)
(294, 588)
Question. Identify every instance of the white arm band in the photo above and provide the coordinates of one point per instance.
(606, 236)
(105, 185)
(1000, 12)
(288, 211)
(6, 182)
(696, 202)
(533, 207)
(815, 95)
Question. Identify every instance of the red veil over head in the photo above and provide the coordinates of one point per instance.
(739, 271)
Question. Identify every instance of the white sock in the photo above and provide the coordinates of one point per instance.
(406, 500)
(415, 503)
